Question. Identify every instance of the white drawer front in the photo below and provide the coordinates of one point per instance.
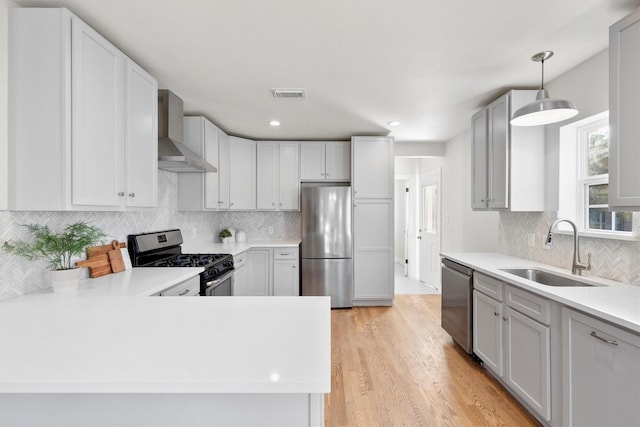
(189, 287)
(240, 259)
(488, 286)
(531, 305)
(285, 253)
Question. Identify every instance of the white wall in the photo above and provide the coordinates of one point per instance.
(4, 6)
(587, 85)
(462, 228)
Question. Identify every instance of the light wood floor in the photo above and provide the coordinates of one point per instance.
(395, 366)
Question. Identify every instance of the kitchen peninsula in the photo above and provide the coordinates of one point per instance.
(90, 359)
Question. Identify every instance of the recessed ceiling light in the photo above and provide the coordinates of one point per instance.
(393, 123)
(274, 123)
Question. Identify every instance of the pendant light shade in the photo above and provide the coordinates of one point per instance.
(543, 110)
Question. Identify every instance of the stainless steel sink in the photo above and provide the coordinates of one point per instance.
(544, 277)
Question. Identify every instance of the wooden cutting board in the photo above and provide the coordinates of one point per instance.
(115, 258)
(99, 265)
(104, 259)
(103, 249)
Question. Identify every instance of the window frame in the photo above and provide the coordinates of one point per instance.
(574, 147)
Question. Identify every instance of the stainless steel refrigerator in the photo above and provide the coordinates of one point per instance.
(326, 249)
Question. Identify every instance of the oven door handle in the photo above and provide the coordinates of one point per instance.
(219, 280)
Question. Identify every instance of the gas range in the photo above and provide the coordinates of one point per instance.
(164, 249)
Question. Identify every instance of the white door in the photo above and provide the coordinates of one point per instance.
(429, 232)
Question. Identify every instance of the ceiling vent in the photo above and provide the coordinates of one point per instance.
(288, 93)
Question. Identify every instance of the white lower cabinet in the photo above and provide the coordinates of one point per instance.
(528, 367)
(601, 372)
(259, 271)
(270, 271)
(511, 335)
(286, 276)
(373, 251)
(487, 331)
(189, 287)
(240, 279)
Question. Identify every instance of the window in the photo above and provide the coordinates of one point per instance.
(584, 178)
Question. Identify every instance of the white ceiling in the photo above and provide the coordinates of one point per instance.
(429, 64)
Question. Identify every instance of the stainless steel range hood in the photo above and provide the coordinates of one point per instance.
(173, 155)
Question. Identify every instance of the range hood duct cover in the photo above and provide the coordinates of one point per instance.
(173, 155)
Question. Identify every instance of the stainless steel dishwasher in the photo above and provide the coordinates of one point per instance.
(457, 303)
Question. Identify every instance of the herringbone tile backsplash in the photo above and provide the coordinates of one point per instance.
(611, 259)
(19, 277)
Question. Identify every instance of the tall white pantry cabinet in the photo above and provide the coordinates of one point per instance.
(95, 143)
(372, 183)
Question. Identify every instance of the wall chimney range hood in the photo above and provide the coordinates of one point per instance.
(173, 155)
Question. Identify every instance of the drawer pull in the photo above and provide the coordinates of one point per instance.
(186, 291)
(598, 337)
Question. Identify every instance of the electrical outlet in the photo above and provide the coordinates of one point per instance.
(270, 229)
(531, 240)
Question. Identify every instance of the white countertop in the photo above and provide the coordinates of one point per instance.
(615, 302)
(236, 247)
(73, 344)
(139, 281)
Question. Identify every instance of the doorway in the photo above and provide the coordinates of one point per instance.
(401, 224)
(429, 231)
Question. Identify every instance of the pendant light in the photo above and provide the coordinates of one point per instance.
(543, 110)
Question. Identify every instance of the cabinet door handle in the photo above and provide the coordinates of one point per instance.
(132, 194)
(326, 174)
(495, 313)
(121, 194)
(505, 319)
(294, 266)
(231, 204)
(598, 337)
(273, 204)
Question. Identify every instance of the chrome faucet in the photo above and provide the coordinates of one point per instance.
(577, 266)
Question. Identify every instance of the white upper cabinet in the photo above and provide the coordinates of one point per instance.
(242, 174)
(508, 162)
(96, 127)
(267, 176)
(479, 160)
(372, 167)
(624, 110)
(325, 161)
(141, 137)
(95, 145)
(203, 191)
(277, 172)
(337, 163)
(223, 170)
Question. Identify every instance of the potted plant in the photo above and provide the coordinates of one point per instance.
(224, 234)
(57, 249)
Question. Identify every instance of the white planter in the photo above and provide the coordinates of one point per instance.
(65, 281)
